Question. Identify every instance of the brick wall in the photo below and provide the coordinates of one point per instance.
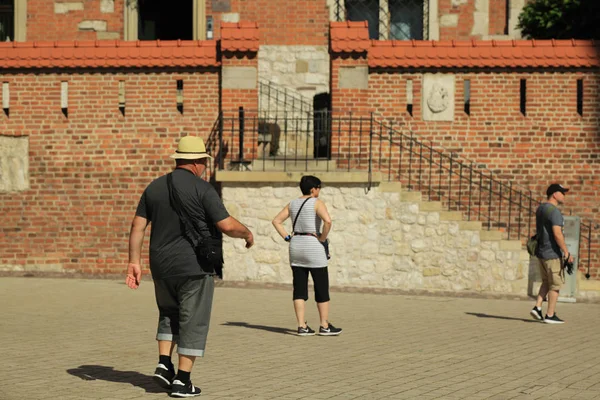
(281, 22)
(551, 143)
(87, 171)
(45, 23)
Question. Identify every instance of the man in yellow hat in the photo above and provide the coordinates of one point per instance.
(182, 208)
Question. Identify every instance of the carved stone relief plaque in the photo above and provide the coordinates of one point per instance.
(438, 97)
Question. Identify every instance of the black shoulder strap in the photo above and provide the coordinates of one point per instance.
(296, 219)
(175, 202)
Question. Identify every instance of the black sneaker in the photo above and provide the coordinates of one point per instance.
(537, 314)
(163, 376)
(329, 331)
(553, 319)
(181, 389)
(305, 331)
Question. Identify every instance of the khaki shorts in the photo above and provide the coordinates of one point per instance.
(550, 270)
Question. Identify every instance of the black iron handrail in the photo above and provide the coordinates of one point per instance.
(362, 142)
(441, 175)
(274, 99)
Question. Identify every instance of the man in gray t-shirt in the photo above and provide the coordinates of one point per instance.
(551, 252)
(183, 282)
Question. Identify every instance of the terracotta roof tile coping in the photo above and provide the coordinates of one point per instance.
(109, 54)
(108, 44)
(240, 36)
(485, 43)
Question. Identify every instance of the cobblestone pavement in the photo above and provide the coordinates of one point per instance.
(73, 339)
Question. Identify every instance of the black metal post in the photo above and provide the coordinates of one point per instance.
(220, 160)
(241, 135)
(470, 191)
(490, 205)
(509, 208)
(430, 166)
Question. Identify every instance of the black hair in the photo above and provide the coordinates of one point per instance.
(309, 182)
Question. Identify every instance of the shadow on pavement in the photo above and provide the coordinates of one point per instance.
(99, 372)
(480, 315)
(273, 329)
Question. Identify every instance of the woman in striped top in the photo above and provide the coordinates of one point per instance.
(307, 252)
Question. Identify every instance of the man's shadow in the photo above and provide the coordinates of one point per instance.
(99, 372)
(481, 315)
(274, 329)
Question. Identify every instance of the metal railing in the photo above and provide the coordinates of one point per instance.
(275, 100)
(388, 19)
(363, 143)
(461, 185)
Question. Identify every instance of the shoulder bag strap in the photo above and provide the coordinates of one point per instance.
(175, 202)
(298, 214)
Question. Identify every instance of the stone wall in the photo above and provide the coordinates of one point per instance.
(381, 239)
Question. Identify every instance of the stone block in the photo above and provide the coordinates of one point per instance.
(354, 78)
(438, 97)
(449, 20)
(92, 25)
(107, 6)
(108, 35)
(301, 66)
(239, 77)
(14, 163)
(230, 17)
(431, 271)
(221, 6)
(63, 8)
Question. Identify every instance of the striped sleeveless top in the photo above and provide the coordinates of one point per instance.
(306, 251)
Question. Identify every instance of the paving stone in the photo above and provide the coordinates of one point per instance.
(78, 339)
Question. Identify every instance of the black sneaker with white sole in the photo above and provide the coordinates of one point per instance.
(305, 331)
(163, 376)
(330, 330)
(553, 319)
(537, 314)
(183, 390)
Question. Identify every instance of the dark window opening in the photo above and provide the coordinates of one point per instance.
(389, 19)
(7, 20)
(364, 10)
(580, 96)
(406, 19)
(165, 21)
(523, 97)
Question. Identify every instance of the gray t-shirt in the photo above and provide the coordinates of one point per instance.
(546, 216)
(171, 253)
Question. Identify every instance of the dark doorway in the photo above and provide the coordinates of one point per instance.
(322, 124)
(166, 20)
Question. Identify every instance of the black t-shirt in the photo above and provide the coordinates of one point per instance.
(171, 253)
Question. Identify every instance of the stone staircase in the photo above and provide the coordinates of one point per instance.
(386, 239)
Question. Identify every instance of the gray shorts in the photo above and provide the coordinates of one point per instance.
(184, 306)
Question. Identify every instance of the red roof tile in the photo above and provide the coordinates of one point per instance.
(486, 54)
(108, 53)
(348, 37)
(239, 36)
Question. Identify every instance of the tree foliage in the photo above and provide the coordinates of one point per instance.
(561, 19)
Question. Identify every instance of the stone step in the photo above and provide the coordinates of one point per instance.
(450, 216)
(492, 235)
(469, 225)
(293, 165)
(511, 245)
(411, 196)
(431, 206)
(390, 187)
